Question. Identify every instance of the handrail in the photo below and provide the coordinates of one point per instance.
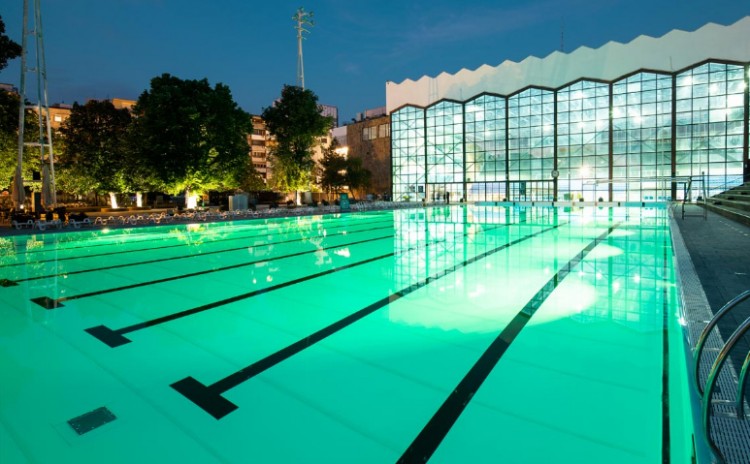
(686, 195)
(707, 330)
(741, 386)
(713, 377)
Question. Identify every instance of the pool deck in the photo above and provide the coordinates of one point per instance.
(720, 251)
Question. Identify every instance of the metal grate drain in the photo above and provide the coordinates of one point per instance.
(91, 420)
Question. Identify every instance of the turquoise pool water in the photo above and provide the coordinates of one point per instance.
(454, 334)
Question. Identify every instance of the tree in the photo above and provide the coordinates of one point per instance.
(191, 136)
(93, 155)
(8, 48)
(9, 139)
(296, 122)
(9, 116)
(357, 176)
(333, 169)
(252, 181)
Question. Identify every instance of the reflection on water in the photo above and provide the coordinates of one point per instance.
(621, 280)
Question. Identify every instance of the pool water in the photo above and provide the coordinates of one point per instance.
(449, 334)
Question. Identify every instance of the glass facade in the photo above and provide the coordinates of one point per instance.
(408, 153)
(531, 143)
(637, 138)
(641, 137)
(486, 151)
(445, 150)
(583, 140)
(710, 115)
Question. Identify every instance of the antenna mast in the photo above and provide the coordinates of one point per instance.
(34, 29)
(302, 18)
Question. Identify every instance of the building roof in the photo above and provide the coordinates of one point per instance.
(672, 52)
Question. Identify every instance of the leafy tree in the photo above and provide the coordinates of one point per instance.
(357, 176)
(333, 169)
(8, 48)
(9, 118)
(9, 139)
(296, 122)
(252, 181)
(191, 136)
(94, 142)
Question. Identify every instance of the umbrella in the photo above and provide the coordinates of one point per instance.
(18, 194)
(47, 200)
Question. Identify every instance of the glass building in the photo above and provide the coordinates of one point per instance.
(619, 123)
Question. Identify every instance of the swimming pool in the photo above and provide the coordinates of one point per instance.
(458, 334)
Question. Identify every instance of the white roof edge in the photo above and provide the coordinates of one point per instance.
(671, 52)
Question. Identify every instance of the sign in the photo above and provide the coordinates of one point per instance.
(344, 202)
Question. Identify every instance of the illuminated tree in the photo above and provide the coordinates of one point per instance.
(191, 136)
(94, 147)
(296, 122)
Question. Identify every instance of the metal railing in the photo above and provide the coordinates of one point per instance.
(701, 197)
(717, 365)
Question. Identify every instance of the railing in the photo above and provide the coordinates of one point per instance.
(702, 194)
(717, 365)
(686, 195)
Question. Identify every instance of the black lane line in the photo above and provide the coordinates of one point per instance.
(146, 239)
(115, 338)
(176, 245)
(52, 303)
(441, 422)
(666, 441)
(205, 253)
(209, 397)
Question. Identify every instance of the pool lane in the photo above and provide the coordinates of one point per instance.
(382, 378)
(437, 428)
(209, 397)
(120, 256)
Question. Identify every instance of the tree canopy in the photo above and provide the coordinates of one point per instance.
(8, 48)
(338, 171)
(9, 139)
(333, 169)
(190, 135)
(94, 152)
(295, 120)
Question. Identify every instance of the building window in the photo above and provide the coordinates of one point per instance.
(710, 119)
(384, 130)
(408, 152)
(485, 148)
(445, 156)
(531, 141)
(582, 140)
(641, 136)
(370, 133)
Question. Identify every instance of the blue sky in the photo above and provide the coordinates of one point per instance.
(112, 48)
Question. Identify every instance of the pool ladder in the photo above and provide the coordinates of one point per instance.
(713, 374)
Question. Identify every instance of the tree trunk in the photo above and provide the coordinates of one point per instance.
(113, 199)
(139, 199)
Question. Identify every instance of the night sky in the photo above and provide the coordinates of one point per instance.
(112, 48)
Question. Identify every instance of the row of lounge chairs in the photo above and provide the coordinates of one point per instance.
(202, 216)
(42, 224)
